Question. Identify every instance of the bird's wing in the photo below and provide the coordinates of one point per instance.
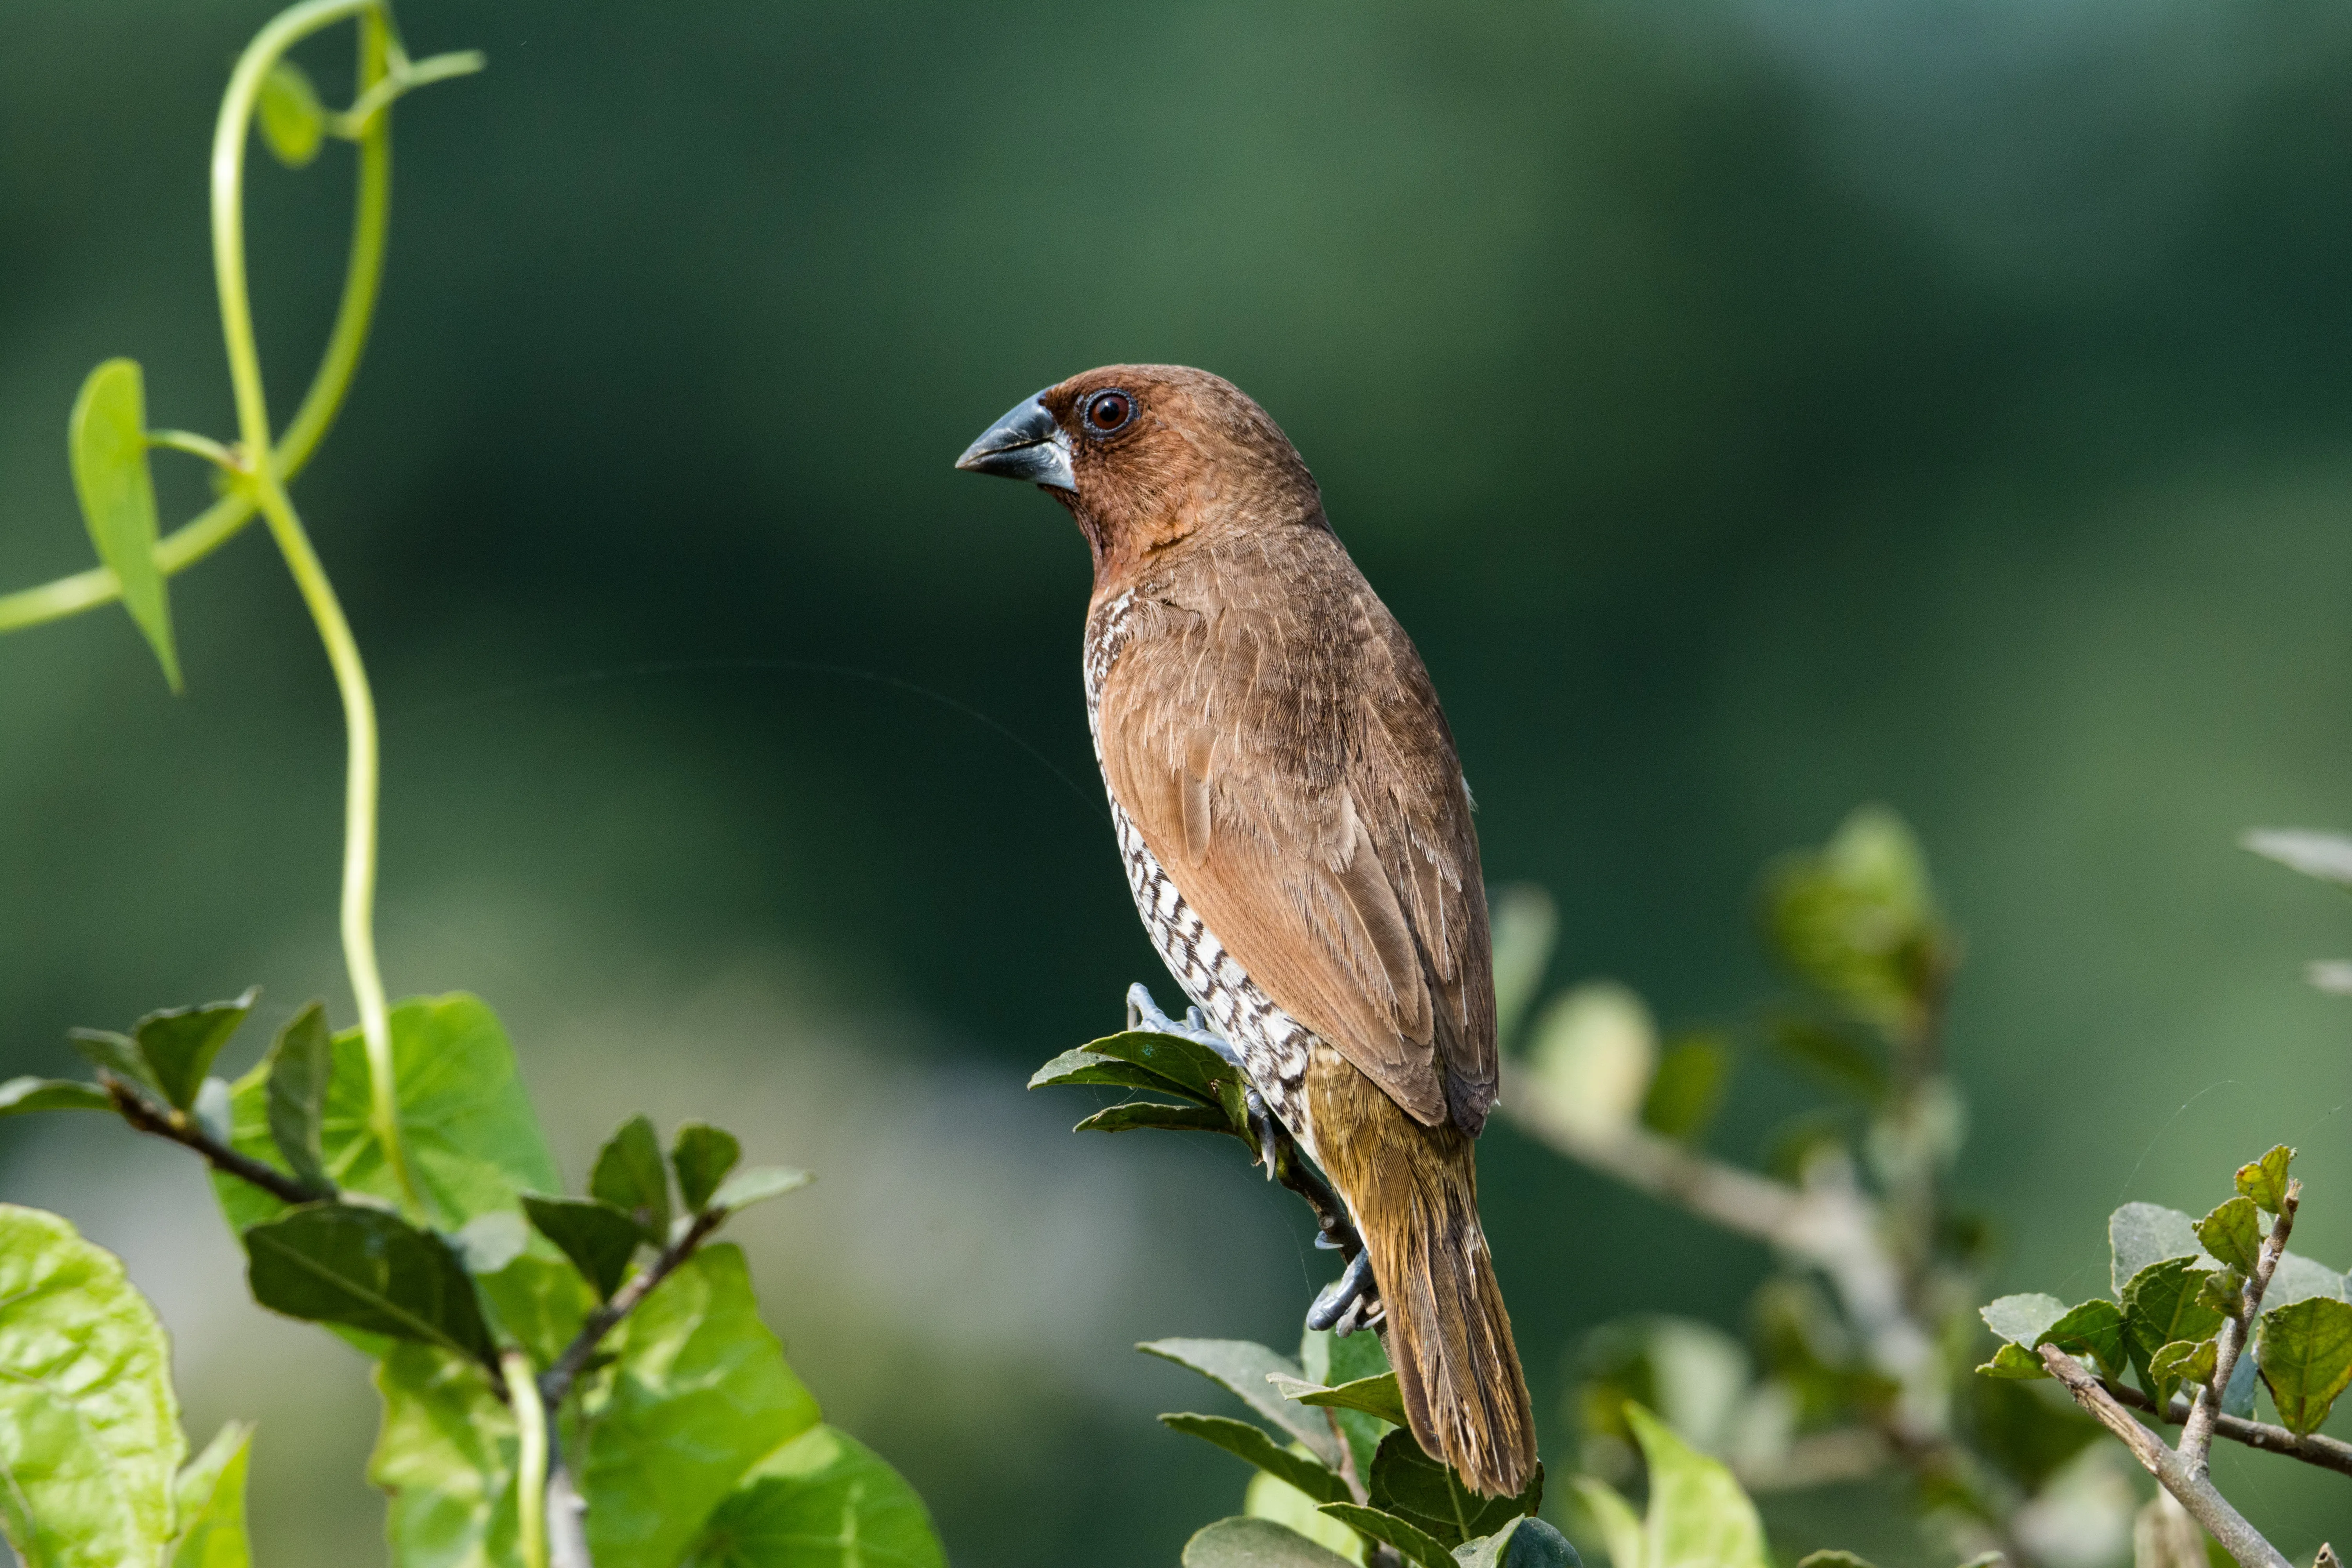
(1298, 784)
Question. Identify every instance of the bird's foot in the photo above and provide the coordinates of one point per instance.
(1351, 1301)
(1143, 1013)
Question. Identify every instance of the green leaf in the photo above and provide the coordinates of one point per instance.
(2184, 1361)
(1621, 1529)
(598, 1238)
(339, 1263)
(1687, 1088)
(291, 120)
(2021, 1320)
(1373, 1395)
(1241, 1542)
(1524, 922)
(1426, 1494)
(1417, 1546)
(2233, 1233)
(1138, 1113)
(2013, 1362)
(1191, 1068)
(2305, 1353)
(2264, 1180)
(2094, 1329)
(2142, 1234)
(445, 1454)
(89, 1428)
(2162, 1303)
(1830, 1057)
(631, 1177)
(471, 1136)
(118, 1053)
(20, 1095)
(107, 439)
(180, 1043)
(1081, 1066)
(755, 1185)
(211, 1503)
(1331, 1361)
(1244, 1368)
(1833, 1559)
(822, 1500)
(1855, 920)
(539, 1303)
(702, 1155)
(2223, 1289)
(699, 1393)
(1698, 1517)
(1251, 1443)
(1523, 1543)
(300, 1065)
(1266, 1498)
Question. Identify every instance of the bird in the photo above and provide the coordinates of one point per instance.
(1297, 834)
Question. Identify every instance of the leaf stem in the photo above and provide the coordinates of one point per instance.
(230, 137)
(530, 1462)
(330, 384)
(2197, 1432)
(182, 1131)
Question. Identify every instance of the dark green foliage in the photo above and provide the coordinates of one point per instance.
(702, 1155)
(301, 1066)
(1256, 1543)
(366, 1270)
(1831, 1056)
(2162, 1303)
(1251, 1443)
(179, 1044)
(630, 1175)
(598, 1238)
(1420, 1548)
(1424, 1493)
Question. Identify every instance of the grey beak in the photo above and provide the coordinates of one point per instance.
(1026, 444)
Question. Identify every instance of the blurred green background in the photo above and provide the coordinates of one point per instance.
(1751, 408)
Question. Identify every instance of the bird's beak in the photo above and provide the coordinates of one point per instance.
(1026, 444)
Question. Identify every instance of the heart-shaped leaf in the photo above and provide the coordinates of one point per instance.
(630, 1176)
(598, 1238)
(702, 1155)
(180, 1043)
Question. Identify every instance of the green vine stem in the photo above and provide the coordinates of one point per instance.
(230, 138)
(362, 277)
(530, 1459)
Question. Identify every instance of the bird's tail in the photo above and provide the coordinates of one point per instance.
(1413, 1191)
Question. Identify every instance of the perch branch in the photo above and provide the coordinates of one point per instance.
(2197, 1493)
(556, 1381)
(183, 1129)
(2327, 1453)
(2197, 1433)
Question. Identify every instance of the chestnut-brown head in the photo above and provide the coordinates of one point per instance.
(1148, 457)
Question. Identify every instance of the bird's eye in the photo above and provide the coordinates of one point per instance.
(1107, 411)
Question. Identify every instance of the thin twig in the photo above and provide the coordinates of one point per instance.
(2196, 1491)
(2312, 1449)
(183, 1130)
(557, 1380)
(2197, 1433)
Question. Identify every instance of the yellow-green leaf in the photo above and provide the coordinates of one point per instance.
(292, 122)
(2306, 1358)
(107, 442)
(2264, 1180)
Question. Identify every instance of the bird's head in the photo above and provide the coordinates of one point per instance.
(1147, 457)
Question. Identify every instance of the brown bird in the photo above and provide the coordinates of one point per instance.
(1297, 836)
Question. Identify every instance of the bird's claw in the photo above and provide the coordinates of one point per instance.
(1347, 1303)
(1269, 1133)
(1143, 1013)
